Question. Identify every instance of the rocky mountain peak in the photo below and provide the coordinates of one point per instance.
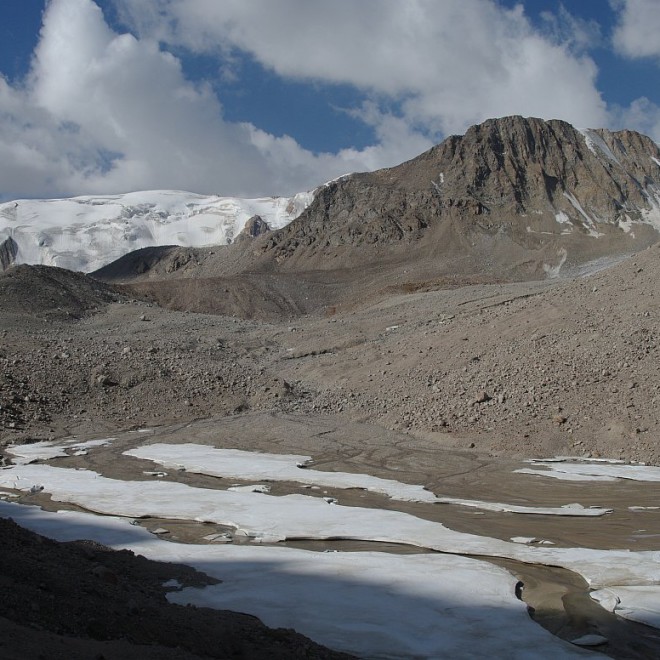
(529, 185)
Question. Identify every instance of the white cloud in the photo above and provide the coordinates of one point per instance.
(578, 33)
(129, 99)
(103, 112)
(641, 115)
(450, 63)
(637, 35)
(106, 112)
(638, 31)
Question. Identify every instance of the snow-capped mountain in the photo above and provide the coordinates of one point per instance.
(85, 233)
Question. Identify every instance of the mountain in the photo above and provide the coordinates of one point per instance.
(515, 196)
(85, 233)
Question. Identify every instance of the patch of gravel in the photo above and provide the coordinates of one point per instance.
(524, 368)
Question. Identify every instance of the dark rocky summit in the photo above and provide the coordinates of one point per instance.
(255, 226)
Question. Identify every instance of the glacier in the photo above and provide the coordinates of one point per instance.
(85, 233)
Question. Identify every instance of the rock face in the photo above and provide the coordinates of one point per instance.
(8, 252)
(511, 193)
(255, 226)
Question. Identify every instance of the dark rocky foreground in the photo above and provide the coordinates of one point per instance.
(80, 600)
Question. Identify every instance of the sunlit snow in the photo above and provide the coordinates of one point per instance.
(46, 450)
(85, 233)
(239, 464)
(593, 471)
(265, 518)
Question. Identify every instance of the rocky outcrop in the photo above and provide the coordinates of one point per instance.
(8, 252)
(525, 184)
(255, 226)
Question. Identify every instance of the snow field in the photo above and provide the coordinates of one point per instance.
(88, 232)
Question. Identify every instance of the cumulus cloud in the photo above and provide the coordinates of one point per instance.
(637, 33)
(108, 112)
(641, 115)
(119, 115)
(450, 64)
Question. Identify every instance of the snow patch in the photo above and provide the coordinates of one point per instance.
(641, 603)
(553, 271)
(591, 224)
(24, 454)
(596, 144)
(47, 450)
(593, 472)
(626, 224)
(255, 488)
(239, 464)
(652, 216)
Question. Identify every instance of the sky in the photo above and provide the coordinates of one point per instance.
(251, 98)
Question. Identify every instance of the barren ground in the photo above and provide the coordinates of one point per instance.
(499, 370)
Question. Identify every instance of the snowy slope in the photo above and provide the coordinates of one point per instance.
(85, 233)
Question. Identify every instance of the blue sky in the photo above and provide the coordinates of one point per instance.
(264, 97)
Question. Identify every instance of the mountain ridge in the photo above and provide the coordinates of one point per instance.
(539, 184)
(513, 198)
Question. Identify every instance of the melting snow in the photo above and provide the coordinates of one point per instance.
(640, 604)
(593, 472)
(411, 605)
(47, 450)
(366, 603)
(238, 464)
(265, 518)
(24, 454)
